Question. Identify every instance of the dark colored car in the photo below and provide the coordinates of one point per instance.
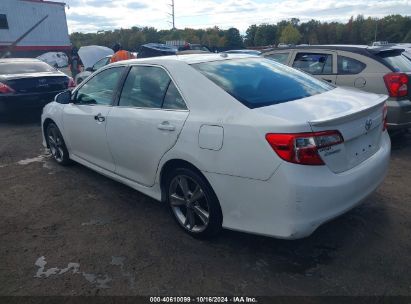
(29, 83)
(156, 49)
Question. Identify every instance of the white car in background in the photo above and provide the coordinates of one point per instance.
(55, 59)
(93, 57)
(233, 141)
(90, 70)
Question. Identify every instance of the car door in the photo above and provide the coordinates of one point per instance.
(320, 64)
(146, 123)
(86, 117)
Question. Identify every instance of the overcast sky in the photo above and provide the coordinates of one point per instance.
(94, 15)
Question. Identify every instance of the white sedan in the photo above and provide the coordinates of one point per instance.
(55, 59)
(233, 141)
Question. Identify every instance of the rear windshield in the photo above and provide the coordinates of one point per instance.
(397, 61)
(24, 67)
(259, 82)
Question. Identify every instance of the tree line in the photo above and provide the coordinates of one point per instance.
(358, 30)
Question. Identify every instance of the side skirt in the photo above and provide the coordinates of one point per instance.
(153, 192)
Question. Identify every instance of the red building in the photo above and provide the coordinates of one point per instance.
(18, 16)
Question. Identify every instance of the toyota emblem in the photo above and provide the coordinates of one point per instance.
(368, 124)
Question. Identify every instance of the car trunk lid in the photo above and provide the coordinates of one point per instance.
(37, 83)
(361, 131)
(356, 115)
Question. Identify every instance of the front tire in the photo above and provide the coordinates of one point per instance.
(193, 203)
(57, 145)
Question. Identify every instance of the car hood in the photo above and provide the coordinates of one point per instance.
(339, 102)
(90, 54)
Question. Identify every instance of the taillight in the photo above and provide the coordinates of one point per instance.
(302, 148)
(5, 89)
(397, 84)
(384, 117)
(71, 83)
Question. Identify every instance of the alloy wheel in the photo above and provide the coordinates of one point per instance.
(189, 203)
(56, 144)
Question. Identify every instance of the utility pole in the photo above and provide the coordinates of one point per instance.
(376, 29)
(172, 14)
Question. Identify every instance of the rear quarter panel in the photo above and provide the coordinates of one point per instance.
(244, 151)
(372, 75)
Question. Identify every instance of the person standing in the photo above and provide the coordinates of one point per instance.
(120, 54)
(75, 63)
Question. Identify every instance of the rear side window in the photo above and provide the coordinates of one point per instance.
(349, 66)
(397, 61)
(314, 63)
(25, 67)
(145, 87)
(173, 99)
(150, 87)
(258, 82)
(279, 57)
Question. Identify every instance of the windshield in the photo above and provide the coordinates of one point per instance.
(397, 61)
(25, 67)
(259, 82)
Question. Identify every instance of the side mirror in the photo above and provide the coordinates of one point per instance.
(90, 69)
(63, 97)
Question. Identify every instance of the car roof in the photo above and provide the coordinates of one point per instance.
(19, 60)
(359, 49)
(189, 58)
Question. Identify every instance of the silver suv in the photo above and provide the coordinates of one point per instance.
(383, 70)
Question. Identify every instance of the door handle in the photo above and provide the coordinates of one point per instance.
(165, 125)
(99, 117)
(328, 80)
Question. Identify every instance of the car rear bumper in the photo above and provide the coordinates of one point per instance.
(399, 114)
(21, 101)
(297, 199)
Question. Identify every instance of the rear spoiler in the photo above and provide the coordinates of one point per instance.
(335, 119)
(380, 50)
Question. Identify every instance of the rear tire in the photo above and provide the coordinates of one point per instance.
(193, 203)
(56, 144)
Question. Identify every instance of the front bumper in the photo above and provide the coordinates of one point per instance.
(26, 101)
(297, 199)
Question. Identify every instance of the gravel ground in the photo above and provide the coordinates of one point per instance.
(71, 231)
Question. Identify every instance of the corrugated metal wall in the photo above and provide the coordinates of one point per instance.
(22, 15)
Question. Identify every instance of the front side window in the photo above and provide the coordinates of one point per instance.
(4, 25)
(314, 63)
(349, 66)
(259, 82)
(279, 57)
(101, 88)
(149, 87)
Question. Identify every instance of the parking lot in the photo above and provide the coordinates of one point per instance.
(71, 231)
